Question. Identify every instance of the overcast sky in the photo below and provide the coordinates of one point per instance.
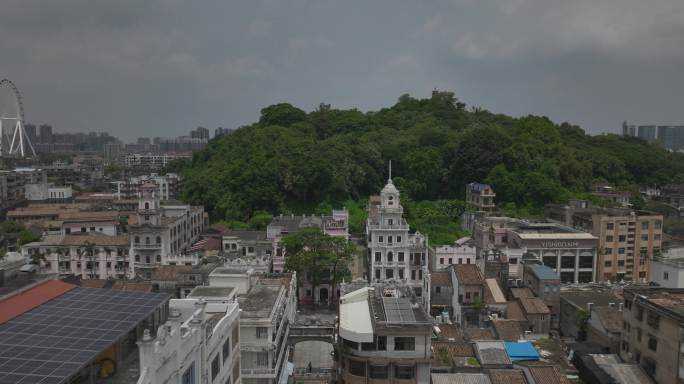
(163, 67)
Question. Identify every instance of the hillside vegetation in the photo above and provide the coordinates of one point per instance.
(293, 161)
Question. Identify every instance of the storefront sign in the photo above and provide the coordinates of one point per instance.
(559, 244)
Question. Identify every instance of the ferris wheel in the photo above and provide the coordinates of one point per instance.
(13, 138)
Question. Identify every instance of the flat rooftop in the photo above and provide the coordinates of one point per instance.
(260, 301)
(207, 291)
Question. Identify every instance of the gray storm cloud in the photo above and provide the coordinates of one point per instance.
(163, 67)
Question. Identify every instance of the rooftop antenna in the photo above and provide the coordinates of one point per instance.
(390, 170)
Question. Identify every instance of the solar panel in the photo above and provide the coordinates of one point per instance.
(398, 310)
(52, 342)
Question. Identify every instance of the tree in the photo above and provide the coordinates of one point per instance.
(26, 236)
(318, 258)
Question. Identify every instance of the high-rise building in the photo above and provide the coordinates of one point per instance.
(647, 132)
(45, 134)
(200, 133)
(671, 136)
(31, 132)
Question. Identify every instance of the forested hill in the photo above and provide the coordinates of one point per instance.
(291, 160)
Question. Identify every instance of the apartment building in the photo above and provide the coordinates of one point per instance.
(653, 332)
(336, 225)
(395, 253)
(384, 338)
(468, 299)
(169, 186)
(159, 232)
(544, 284)
(87, 255)
(267, 310)
(479, 202)
(628, 239)
(667, 270)
(199, 343)
(462, 251)
(13, 186)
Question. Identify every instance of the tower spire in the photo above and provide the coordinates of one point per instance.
(390, 171)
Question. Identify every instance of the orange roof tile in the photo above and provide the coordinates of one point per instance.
(31, 298)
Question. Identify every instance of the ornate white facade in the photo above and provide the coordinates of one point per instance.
(395, 253)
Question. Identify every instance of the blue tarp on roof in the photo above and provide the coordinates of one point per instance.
(521, 351)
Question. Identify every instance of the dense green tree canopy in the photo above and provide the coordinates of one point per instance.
(291, 159)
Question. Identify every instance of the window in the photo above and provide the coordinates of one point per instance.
(656, 236)
(188, 376)
(438, 289)
(653, 320)
(137, 240)
(389, 273)
(608, 251)
(226, 349)
(401, 273)
(381, 239)
(404, 344)
(405, 373)
(390, 222)
(398, 239)
(413, 274)
(400, 256)
(262, 359)
(382, 343)
(158, 239)
(609, 239)
(652, 343)
(644, 225)
(610, 226)
(608, 263)
(389, 239)
(377, 274)
(644, 237)
(357, 368)
(158, 258)
(451, 261)
(147, 240)
(621, 251)
(658, 224)
(390, 257)
(622, 238)
(460, 260)
(378, 371)
(420, 274)
(137, 258)
(378, 257)
(666, 276)
(215, 367)
(513, 261)
(441, 260)
(621, 263)
(261, 332)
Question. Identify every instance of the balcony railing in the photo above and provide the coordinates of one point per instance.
(147, 246)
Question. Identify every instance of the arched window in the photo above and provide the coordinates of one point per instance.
(147, 259)
(390, 256)
(158, 239)
(147, 205)
(137, 240)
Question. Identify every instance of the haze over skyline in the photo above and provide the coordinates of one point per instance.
(163, 67)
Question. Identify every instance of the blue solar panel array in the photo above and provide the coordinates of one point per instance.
(54, 341)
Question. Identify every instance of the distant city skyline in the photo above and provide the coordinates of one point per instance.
(162, 68)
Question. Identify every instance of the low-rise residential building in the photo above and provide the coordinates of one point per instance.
(383, 338)
(13, 186)
(266, 313)
(441, 293)
(538, 316)
(199, 343)
(168, 186)
(494, 299)
(468, 298)
(246, 244)
(479, 202)
(667, 270)
(544, 284)
(653, 332)
(461, 252)
(333, 225)
(576, 306)
(87, 255)
(604, 327)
